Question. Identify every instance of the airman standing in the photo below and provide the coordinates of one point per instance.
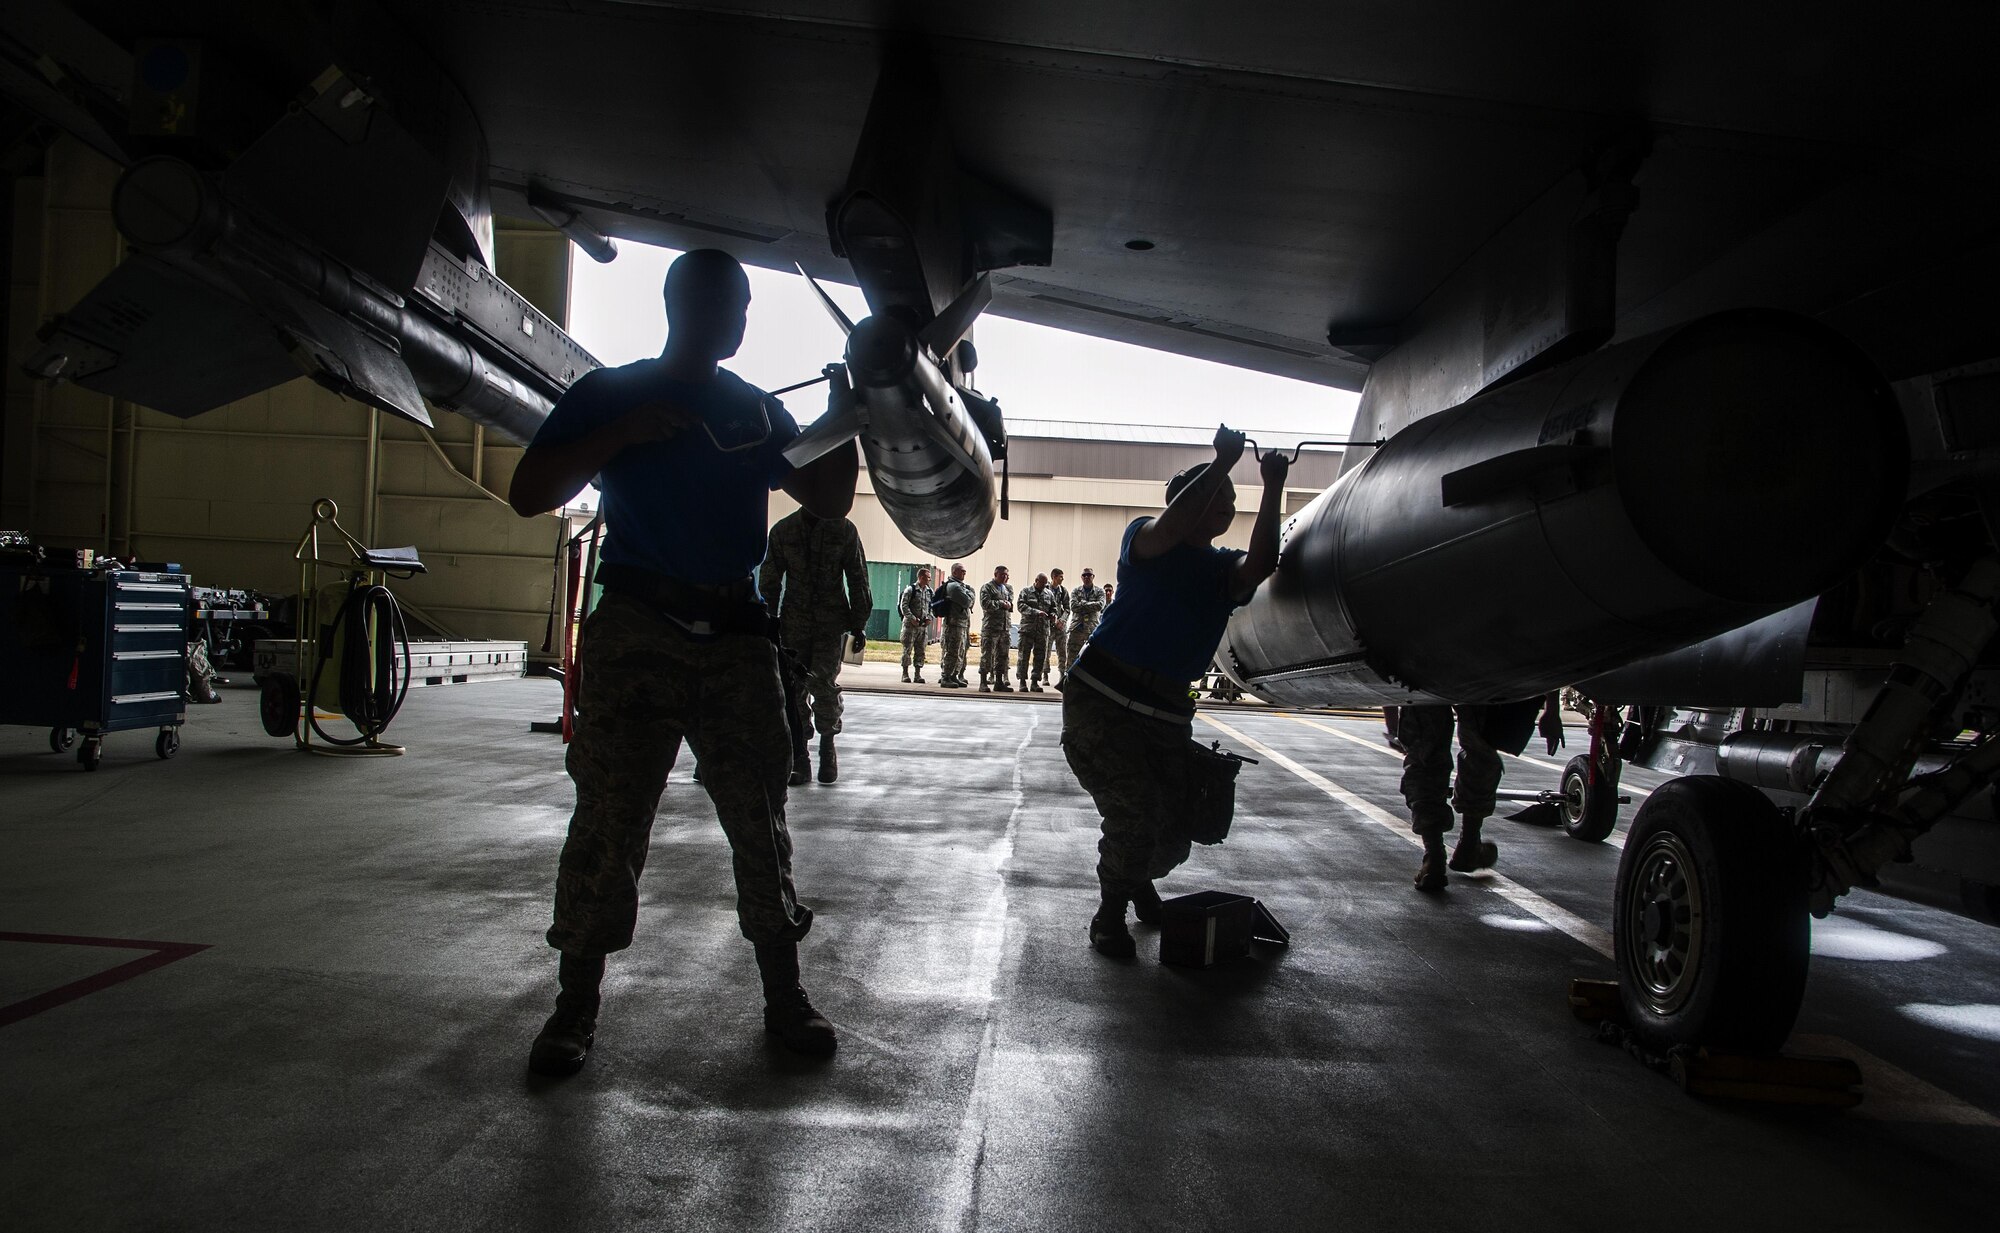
(1059, 626)
(814, 570)
(1086, 605)
(955, 599)
(915, 609)
(1037, 604)
(996, 606)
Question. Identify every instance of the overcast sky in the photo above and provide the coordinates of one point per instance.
(1036, 372)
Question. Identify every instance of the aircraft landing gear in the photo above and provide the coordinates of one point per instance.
(1710, 919)
(1588, 799)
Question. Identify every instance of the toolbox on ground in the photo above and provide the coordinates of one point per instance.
(1211, 927)
(91, 652)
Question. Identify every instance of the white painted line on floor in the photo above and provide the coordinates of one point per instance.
(982, 973)
(1520, 896)
(1380, 748)
(1614, 840)
(1893, 1094)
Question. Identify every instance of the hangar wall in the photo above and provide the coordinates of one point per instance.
(229, 493)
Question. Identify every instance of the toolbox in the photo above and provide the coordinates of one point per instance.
(90, 652)
(1211, 927)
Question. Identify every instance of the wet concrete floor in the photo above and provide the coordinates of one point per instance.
(347, 1050)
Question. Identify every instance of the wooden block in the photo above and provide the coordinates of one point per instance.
(1594, 1001)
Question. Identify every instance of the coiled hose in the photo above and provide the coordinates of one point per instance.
(371, 689)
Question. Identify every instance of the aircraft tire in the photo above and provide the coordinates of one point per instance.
(1710, 922)
(1587, 814)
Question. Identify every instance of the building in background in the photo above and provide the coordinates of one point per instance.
(1072, 489)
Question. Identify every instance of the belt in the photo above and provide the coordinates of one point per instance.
(706, 610)
(1130, 686)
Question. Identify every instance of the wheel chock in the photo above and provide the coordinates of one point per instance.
(1783, 1079)
(1594, 1001)
(1776, 1079)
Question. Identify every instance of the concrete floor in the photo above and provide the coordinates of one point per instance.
(347, 1052)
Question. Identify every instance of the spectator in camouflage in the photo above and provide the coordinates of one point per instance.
(996, 605)
(1086, 605)
(1059, 627)
(914, 606)
(957, 599)
(1037, 604)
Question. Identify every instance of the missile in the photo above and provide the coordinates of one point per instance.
(1626, 504)
(929, 443)
(217, 304)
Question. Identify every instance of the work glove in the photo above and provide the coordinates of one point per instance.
(860, 640)
(1552, 729)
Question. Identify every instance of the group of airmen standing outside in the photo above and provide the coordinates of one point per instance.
(1055, 623)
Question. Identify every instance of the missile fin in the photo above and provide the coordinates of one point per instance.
(833, 309)
(154, 335)
(951, 325)
(827, 433)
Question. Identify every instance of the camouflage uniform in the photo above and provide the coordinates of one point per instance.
(1134, 767)
(644, 684)
(915, 609)
(810, 559)
(1427, 764)
(957, 630)
(1086, 604)
(996, 600)
(1059, 629)
(1035, 604)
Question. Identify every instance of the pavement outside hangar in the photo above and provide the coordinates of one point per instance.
(339, 967)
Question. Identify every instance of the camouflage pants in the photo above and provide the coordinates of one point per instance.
(1079, 633)
(1427, 764)
(1034, 651)
(817, 690)
(1059, 646)
(957, 634)
(993, 652)
(1135, 769)
(913, 642)
(643, 687)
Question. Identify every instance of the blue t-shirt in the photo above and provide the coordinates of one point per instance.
(696, 508)
(1171, 608)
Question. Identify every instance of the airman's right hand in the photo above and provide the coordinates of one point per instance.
(1228, 446)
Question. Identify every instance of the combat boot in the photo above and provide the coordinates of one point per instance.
(919, 677)
(1430, 874)
(1036, 686)
(829, 766)
(1108, 934)
(906, 676)
(985, 686)
(788, 1014)
(1472, 852)
(801, 769)
(564, 1043)
(1002, 687)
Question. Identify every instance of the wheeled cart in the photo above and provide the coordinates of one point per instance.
(90, 652)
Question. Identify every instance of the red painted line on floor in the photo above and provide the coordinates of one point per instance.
(163, 954)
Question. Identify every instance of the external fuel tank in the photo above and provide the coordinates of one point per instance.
(1628, 503)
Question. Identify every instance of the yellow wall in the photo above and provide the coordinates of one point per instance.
(228, 493)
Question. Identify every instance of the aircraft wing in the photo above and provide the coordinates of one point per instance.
(1304, 174)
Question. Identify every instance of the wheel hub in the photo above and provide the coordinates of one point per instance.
(1665, 922)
